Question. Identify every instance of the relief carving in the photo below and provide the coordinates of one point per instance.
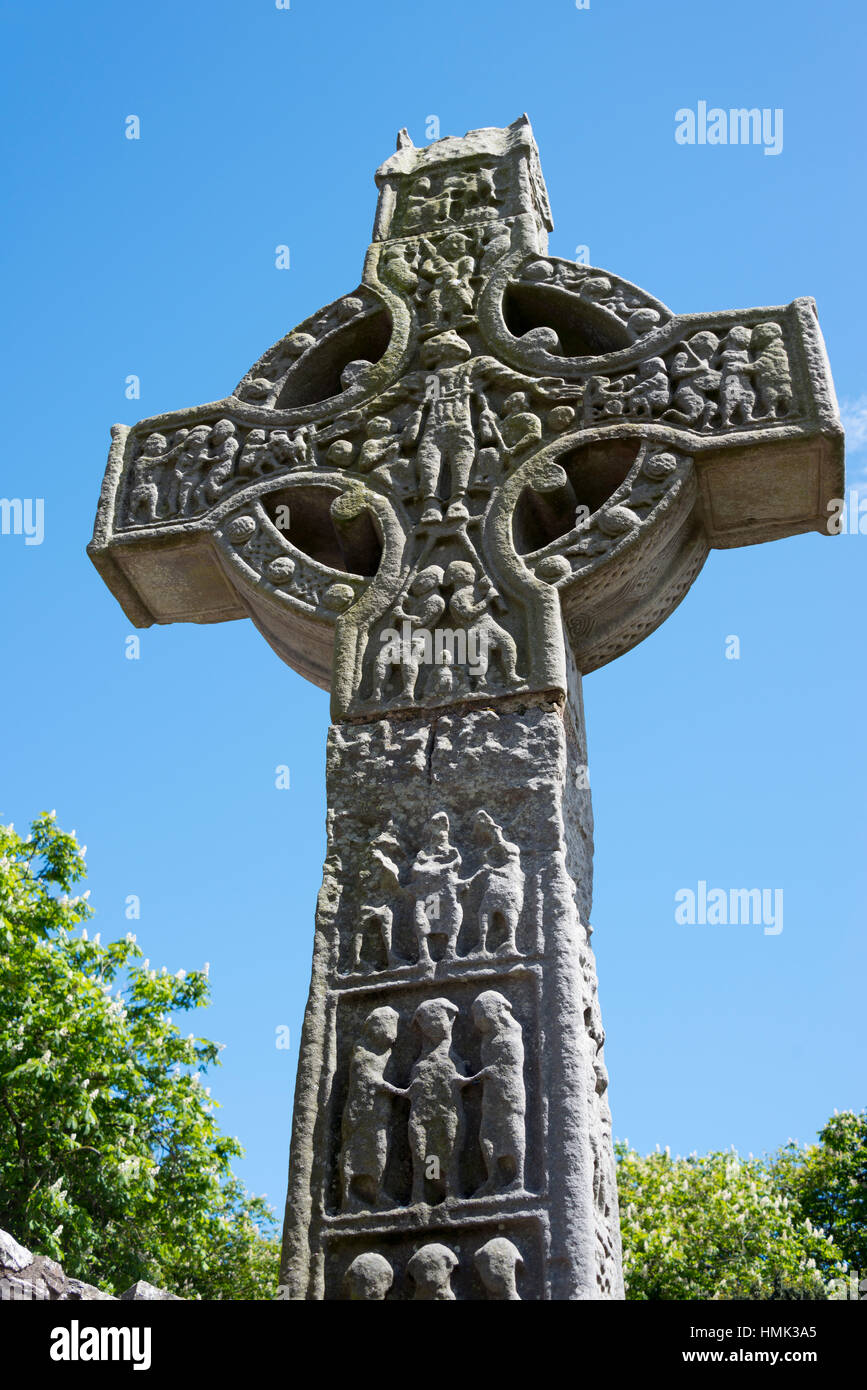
(436, 1126)
(502, 885)
(485, 442)
(432, 200)
(707, 383)
(427, 889)
(429, 1272)
(434, 883)
(497, 1263)
(369, 1278)
(502, 1134)
(367, 1113)
(435, 1114)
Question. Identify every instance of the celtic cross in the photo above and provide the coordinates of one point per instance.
(446, 497)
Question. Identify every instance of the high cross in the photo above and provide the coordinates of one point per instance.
(448, 496)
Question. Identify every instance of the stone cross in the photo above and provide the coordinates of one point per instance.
(447, 497)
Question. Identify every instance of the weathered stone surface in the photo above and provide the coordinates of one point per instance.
(25, 1277)
(453, 1018)
(446, 497)
(142, 1291)
(480, 437)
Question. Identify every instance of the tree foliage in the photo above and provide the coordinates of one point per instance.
(828, 1181)
(112, 1162)
(719, 1226)
(111, 1159)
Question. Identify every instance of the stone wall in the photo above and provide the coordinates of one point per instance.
(25, 1277)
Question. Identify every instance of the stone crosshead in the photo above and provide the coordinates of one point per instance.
(448, 496)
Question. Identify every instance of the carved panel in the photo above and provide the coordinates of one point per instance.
(711, 381)
(434, 1093)
(502, 1260)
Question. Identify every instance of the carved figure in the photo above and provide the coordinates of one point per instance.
(369, 1278)
(367, 1113)
(396, 271)
(449, 270)
(146, 474)
(489, 637)
(447, 441)
(224, 443)
(522, 428)
(379, 447)
(773, 380)
(497, 1262)
(502, 883)
(423, 611)
(696, 381)
(736, 394)
(188, 457)
(435, 1114)
(502, 1132)
(381, 880)
(497, 243)
(431, 1269)
(434, 884)
(425, 210)
(442, 678)
(651, 392)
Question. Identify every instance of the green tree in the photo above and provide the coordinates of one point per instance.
(828, 1181)
(716, 1226)
(111, 1160)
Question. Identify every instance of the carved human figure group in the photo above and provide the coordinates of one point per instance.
(434, 1092)
(433, 891)
(708, 383)
(418, 656)
(369, 1277)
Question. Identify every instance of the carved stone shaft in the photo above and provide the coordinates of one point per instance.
(510, 1032)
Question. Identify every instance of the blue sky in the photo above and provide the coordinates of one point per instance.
(155, 257)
